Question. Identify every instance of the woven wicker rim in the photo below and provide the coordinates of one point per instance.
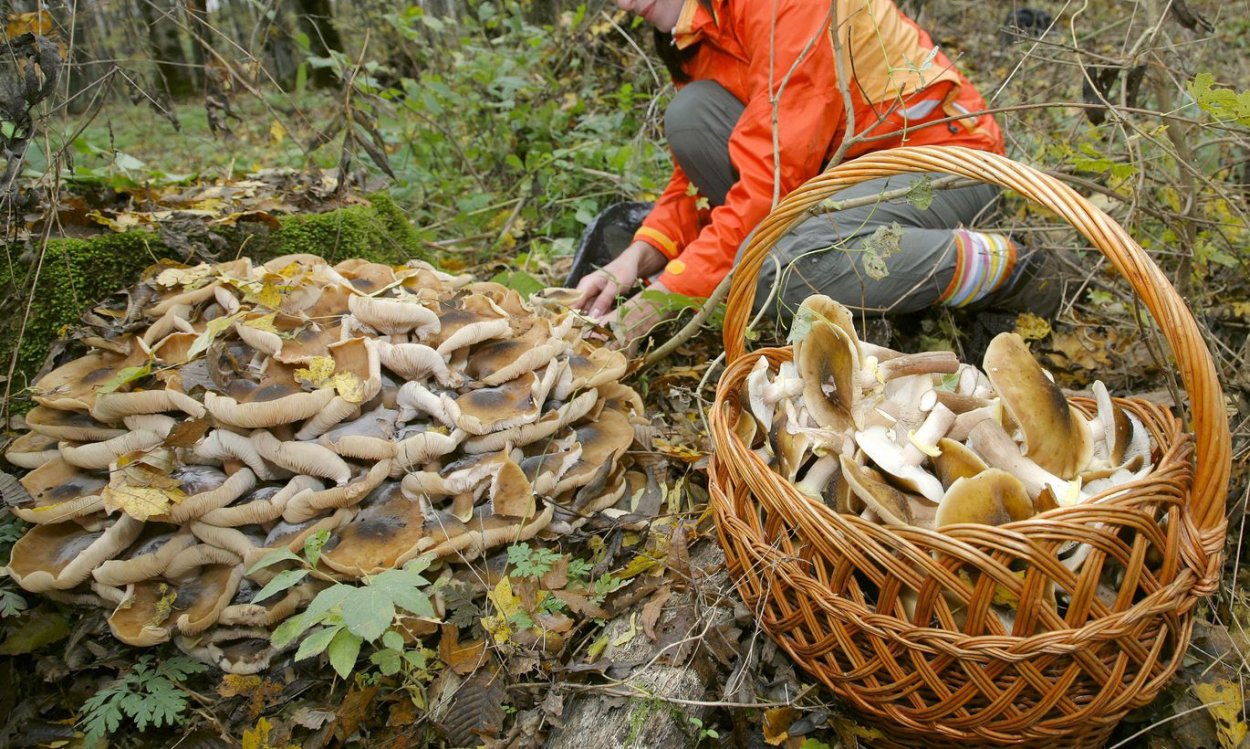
(1209, 420)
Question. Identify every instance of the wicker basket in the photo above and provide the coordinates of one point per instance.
(826, 587)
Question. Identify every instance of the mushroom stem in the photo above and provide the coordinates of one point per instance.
(925, 362)
(959, 402)
(922, 442)
(990, 441)
(819, 474)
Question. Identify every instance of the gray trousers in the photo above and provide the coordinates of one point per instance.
(886, 256)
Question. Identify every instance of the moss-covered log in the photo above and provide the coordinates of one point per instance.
(71, 275)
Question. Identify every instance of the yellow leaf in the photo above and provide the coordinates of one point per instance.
(209, 206)
(348, 386)
(1241, 309)
(164, 604)
(319, 370)
(36, 22)
(1030, 327)
(277, 132)
(506, 604)
(141, 502)
(213, 329)
(596, 648)
(777, 724)
(258, 737)
(265, 323)
(624, 637)
(1224, 700)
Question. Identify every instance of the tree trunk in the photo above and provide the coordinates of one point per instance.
(165, 44)
(316, 19)
(281, 54)
(671, 675)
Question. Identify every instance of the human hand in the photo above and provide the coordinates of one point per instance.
(637, 316)
(600, 289)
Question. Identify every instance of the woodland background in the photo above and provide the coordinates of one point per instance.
(484, 137)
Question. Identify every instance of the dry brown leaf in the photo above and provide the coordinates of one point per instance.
(652, 609)
(461, 657)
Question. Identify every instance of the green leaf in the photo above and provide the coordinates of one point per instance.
(313, 545)
(272, 558)
(388, 661)
(280, 582)
(403, 589)
(522, 282)
(124, 376)
(316, 643)
(286, 632)
(327, 599)
(368, 612)
(43, 628)
(393, 640)
(1221, 103)
(343, 650)
(920, 194)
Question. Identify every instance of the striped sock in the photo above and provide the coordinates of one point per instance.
(984, 262)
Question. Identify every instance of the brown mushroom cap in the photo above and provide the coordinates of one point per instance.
(447, 536)
(891, 505)
(73, 385)
(384, 534)
(991, 497)
(154, 608)
(956, 461)
(73, 426)
(468, 320)
(1054, 433)
(62, 555)
(60, 492)
(487, 410)
(828, 363)
(32, 450)
(603, 442)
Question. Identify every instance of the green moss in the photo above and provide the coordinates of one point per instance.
(377, 231)
(78, 273)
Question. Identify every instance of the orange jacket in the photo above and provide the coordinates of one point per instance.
(897, 75)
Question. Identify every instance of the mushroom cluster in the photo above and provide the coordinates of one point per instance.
(404, 410)
(923, 440)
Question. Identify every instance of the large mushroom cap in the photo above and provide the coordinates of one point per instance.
(60, 491)
(1054, 432)
(991, 497)
(73, 386)
(384, 534)
(827, 358)
(60, 556)
(72, 426)
(889, 504)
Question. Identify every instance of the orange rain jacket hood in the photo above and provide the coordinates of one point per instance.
(899, 80)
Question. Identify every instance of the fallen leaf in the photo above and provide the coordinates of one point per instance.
(777, 724)
(652, 609)
(628, 635)
(1225, 701)
(141, 502)
(1030, 327)
(38, 630)
(461, 657)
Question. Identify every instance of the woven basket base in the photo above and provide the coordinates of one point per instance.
(943, 669)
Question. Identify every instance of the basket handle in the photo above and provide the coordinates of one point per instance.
(1197, 369)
